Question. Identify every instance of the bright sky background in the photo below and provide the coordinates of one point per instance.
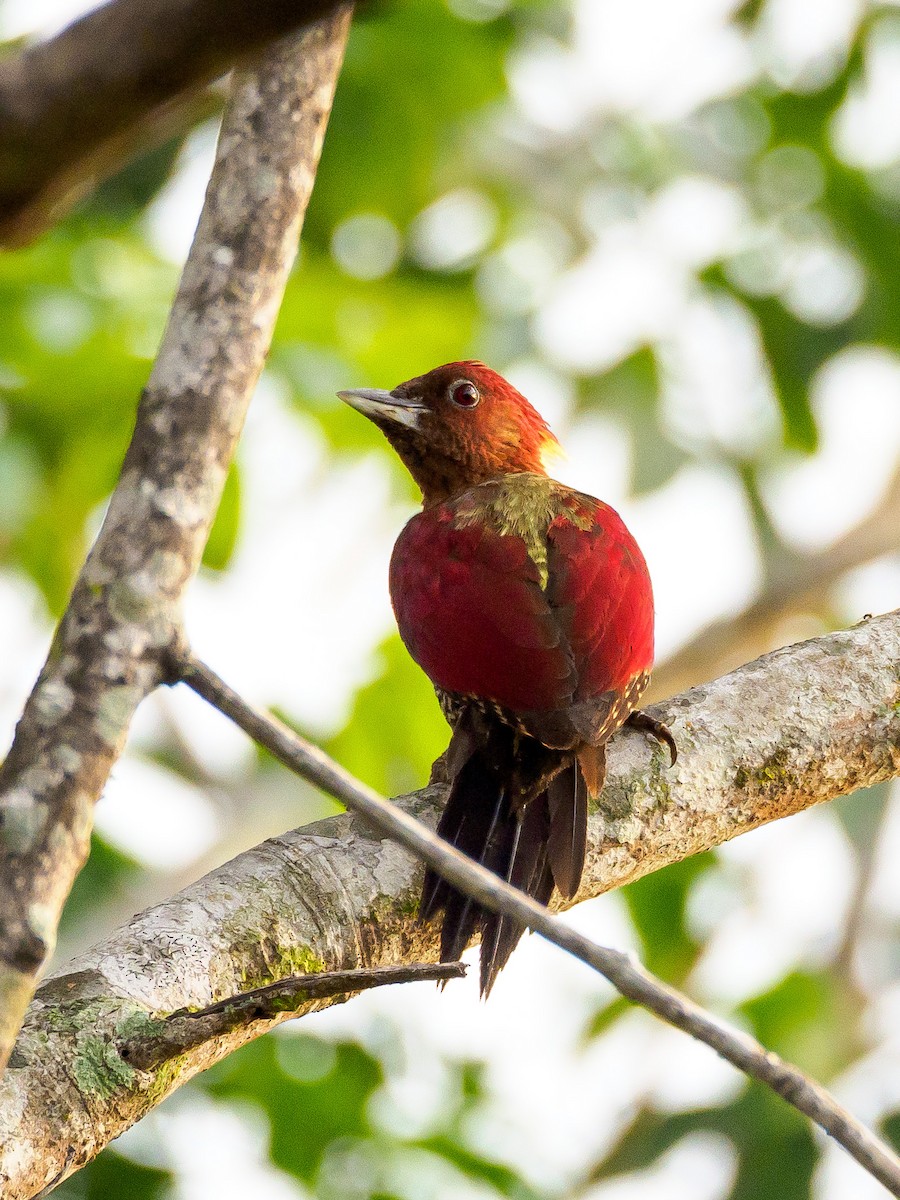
(657, 59)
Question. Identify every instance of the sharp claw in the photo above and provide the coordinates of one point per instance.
(669, 739)
(642, 720)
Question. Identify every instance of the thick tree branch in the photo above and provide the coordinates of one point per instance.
(804, 724)
(124, 613)
(336, 895)
(181, 1031)
(72, 107)
(630, 979)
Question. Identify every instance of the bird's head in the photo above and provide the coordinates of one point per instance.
(459, 425)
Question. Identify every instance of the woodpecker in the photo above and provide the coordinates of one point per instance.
(529, 606)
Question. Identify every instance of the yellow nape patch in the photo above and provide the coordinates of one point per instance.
(521, 505)
(551, 454)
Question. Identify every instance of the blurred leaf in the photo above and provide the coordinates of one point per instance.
(339, 332)
(396, 730)
(306, 1116)
(224, 533)
(73, 376)
(101, 877)
(795, 351)
(775, 1146)
(128, 192)
(476, 1166)
(890, 1128)
(808, 1019)
(604, 1018)
(657, 904)
(645, 1141)
(861, 814)
(867, 223)
(632, 383)
(412, 73)
(777, 1152)
(113, 1177)
(631, 391)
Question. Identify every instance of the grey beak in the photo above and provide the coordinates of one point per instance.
(378, 404)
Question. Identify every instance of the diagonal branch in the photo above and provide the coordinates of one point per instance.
(337, 895)
(626, 975)
(124, 614)
(72, 107)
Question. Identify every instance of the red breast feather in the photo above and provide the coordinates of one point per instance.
(483, 618)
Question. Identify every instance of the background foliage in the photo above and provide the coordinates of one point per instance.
(672, 266)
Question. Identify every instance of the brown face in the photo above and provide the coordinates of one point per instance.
(459, 425)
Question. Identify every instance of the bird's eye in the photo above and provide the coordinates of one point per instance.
(464, 394)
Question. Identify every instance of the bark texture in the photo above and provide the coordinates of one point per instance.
(797, 727)
(72, 107)
(124, 616)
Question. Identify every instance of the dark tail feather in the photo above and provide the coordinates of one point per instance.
(567, 798)
(528, 870)
(531, 844)
(474, 820)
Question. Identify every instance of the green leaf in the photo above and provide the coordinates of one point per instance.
(113, 1177)
(306, 1116)
(795, 352)
(657, 904)
(631, 391)
(890, 1128)
(104, 874)
(396, 730)
(775, 1147)
(413, 75)
(808, 1018)
(128, 192)
(604, 1018)
(225, 529)
(476, 1166)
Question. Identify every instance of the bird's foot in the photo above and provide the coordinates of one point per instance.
(642, 720)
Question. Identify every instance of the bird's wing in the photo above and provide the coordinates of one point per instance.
(599, 589)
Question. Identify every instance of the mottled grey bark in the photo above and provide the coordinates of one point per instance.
(124, 616)
(73, 107)
(800, 726)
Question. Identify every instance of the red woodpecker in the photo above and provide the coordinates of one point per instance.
(529, 607)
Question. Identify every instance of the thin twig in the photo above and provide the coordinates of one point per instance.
(183, 1030)
(626, 975)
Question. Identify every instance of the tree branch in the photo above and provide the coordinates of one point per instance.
(627, 976)
(124, 614)
(181, 1031)
(336, 895)
(837, 700)
(72, 107)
